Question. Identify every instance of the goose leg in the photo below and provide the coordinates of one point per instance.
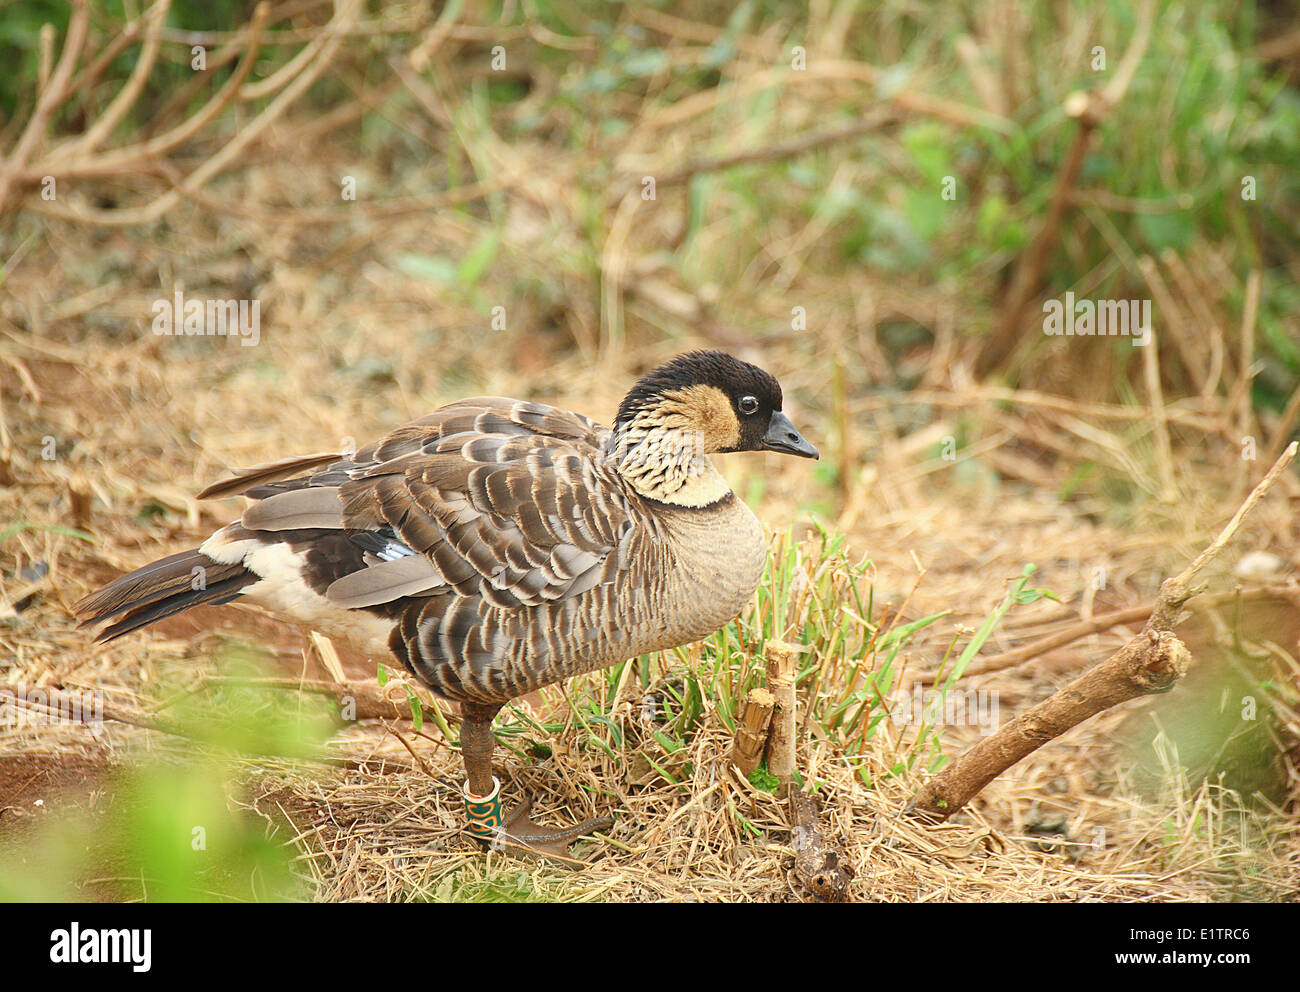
(516, 831)
(476, 744)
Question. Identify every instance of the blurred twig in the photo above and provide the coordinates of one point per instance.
(771, 153)
(81, 156)
(1089, 109)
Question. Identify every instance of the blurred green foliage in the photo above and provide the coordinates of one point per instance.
(1203, 116)
(21, 22)
(167, 826)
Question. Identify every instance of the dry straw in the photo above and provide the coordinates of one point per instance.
(107, 431)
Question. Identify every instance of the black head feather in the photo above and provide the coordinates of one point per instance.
(736, 379)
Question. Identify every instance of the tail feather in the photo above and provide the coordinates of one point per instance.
(161, 589)
(268, 472)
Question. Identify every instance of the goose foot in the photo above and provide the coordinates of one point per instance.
(520, 833)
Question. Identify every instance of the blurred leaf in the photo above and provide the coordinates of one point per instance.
(928, 147)
(1170, 230)
(431, 268)
(476, 262)
(649, 62)
(927, 212)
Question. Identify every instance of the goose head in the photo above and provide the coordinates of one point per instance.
(698, 404)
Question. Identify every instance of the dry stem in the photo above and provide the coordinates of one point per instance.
(753, 719)
(781, 660)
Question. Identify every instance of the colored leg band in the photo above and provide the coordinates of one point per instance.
(484, 814)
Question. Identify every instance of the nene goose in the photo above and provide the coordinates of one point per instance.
(497, 546)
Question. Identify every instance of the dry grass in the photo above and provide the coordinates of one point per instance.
(106, 431)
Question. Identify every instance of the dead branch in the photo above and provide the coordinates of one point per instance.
(786, 149)
(820, 71)
(139, 157)
(1152, 662)
(117, 109)
(1075, 631)
(1026, 652)
(753, 718)
(820, 867)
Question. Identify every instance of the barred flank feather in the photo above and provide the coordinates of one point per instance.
(161, 589)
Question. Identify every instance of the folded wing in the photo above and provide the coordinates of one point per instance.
(494, 499)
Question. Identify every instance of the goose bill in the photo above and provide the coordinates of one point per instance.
(784, 437)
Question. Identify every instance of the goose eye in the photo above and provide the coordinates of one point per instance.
(748, 404)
